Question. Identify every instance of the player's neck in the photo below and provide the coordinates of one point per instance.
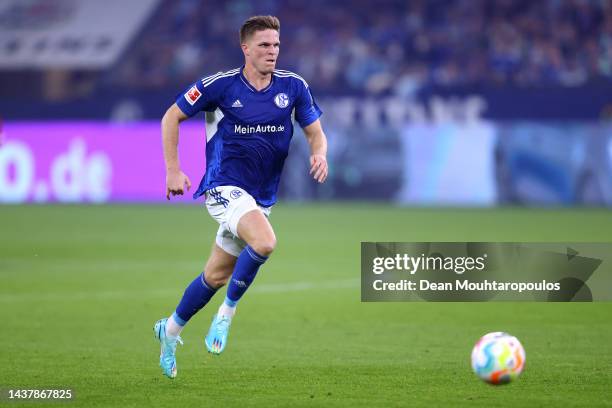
(257, 80)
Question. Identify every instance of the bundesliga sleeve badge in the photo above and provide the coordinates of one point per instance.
(192, 95)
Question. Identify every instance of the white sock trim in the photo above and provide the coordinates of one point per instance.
(225, 310)
(173, 329)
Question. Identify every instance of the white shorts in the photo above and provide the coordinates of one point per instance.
(227, 204)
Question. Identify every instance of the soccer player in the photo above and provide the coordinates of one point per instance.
(244, 160)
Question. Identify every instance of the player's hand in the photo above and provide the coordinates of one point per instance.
(318, 167)
(176, 180)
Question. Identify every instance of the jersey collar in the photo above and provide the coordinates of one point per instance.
(251, 88)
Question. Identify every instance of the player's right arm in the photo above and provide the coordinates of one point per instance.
(201, 96)
(176, 180)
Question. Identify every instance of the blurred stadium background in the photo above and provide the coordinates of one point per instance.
(493, 105)
(425, 102)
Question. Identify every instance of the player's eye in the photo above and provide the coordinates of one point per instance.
(266, 45)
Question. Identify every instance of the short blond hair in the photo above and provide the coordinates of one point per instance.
(258, 23)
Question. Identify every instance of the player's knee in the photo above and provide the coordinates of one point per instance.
(215, 279)
(265, 247)
(217, 282)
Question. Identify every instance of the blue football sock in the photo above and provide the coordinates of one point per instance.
(197, 294)
(246, 268)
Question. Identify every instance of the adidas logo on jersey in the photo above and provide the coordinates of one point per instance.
(237, 104)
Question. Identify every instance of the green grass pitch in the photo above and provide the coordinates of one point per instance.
(82, 286)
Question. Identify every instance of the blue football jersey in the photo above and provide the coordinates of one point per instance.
(252, 139)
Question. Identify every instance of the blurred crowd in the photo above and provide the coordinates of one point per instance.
(358, 47)
(387, 46)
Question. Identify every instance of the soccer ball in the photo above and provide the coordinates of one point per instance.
(498, 358)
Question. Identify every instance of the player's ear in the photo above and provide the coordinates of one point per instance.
(245, 48)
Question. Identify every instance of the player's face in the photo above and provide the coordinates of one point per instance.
(261, 50)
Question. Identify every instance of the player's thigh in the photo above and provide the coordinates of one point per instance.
(255, 229)
(219, 266)
(241, 221)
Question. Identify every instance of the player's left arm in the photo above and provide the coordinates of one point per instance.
(318, 150)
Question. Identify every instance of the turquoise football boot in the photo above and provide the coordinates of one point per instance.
(216, 339)
(167, 357)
